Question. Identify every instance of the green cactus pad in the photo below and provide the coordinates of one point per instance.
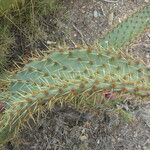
(128, 29)
(77, 77)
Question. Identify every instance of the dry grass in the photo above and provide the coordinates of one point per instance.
(20, 24)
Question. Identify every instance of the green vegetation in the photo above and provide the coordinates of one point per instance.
(5, 41)
(125, 32)
(7, 5)
(79, 77)
(21, 19)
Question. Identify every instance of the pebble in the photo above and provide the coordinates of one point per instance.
(147, 1)
(96, 14)
(110, 18)
(83, 137)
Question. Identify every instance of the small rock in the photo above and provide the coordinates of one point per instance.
(83, 137)
(110, 18)
(50, 42)
(147, 1)
(95, 14)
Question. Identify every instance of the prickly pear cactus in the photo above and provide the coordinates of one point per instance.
(70, 77)
(126, 31)
(77, 77)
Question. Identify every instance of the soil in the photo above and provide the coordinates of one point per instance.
(141, 48)
(66, 128)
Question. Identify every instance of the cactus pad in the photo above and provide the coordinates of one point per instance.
(70, 77)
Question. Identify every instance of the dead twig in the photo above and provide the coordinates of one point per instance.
(82, 37)
(109, 1)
